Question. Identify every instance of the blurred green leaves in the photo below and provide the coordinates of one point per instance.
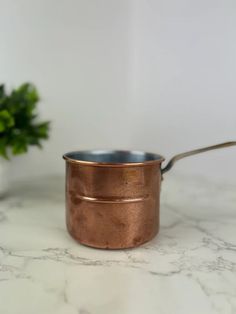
(6, 120)
(19, 125)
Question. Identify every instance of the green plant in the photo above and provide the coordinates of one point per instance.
(19, 125)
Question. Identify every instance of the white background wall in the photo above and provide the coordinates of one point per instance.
(157, 75)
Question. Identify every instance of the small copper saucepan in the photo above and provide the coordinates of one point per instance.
(113, 197)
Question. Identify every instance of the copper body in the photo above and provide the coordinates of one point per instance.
(115, 205)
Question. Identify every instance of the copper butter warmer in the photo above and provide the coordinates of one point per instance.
(113, 197)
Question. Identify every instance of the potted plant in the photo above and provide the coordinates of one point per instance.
(19, 126)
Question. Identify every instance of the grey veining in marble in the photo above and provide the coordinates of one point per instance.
(189, 268)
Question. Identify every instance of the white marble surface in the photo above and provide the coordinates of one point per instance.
(189, 268)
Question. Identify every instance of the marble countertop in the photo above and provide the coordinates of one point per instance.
(190, 267)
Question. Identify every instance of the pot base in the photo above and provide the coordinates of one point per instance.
(136, 243)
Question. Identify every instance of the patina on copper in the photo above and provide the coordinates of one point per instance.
(113, 197)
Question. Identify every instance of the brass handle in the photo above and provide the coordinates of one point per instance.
(194, 152)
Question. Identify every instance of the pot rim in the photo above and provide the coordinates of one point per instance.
(152, 158)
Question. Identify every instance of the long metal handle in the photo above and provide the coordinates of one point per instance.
(194, 152)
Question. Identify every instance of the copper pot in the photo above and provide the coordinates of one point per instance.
(113, 197)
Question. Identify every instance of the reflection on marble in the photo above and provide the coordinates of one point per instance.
(189, 268)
